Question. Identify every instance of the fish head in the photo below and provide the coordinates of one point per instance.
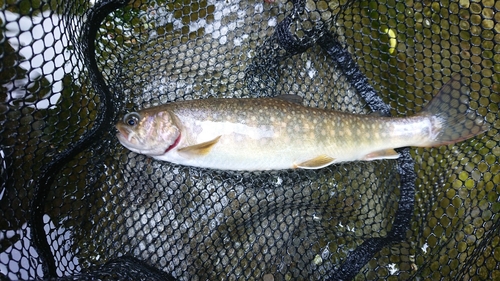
(149, 133)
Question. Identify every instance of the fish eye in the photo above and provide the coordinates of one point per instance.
(131, 119)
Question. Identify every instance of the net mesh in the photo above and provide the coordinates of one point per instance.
(76, 205)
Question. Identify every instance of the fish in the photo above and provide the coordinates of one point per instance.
(258, 134)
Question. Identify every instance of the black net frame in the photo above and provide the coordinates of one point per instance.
(76, 205)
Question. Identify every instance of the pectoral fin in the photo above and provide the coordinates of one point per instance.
(382, 154)
(199, 149)
(316, 163)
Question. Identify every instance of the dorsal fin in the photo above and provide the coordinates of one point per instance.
(291, 98)
(378, 114)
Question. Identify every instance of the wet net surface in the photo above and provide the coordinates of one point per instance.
(76, 205)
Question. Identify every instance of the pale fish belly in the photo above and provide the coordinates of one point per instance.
(243, 146)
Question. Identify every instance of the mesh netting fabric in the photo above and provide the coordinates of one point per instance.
(76, 205)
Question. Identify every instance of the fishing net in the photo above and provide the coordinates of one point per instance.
(76, 205)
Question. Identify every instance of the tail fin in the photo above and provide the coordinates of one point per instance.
(453, 120)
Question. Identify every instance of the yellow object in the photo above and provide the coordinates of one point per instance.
(392, 39)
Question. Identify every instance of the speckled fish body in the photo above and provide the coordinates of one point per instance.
(274, 134)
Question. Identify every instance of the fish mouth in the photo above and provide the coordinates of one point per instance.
(124, 135)
(126, 138)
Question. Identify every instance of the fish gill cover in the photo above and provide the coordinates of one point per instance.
(76, 205)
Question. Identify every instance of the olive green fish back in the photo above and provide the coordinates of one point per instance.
(76, 205)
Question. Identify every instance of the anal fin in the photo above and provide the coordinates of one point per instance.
(382, 154)
(316, 163)
(199, 149)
